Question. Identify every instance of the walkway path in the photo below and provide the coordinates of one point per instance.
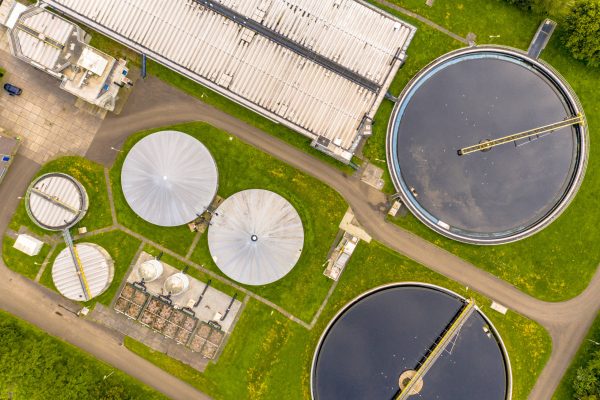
(423, 20)
(155, 104)
(49, 311)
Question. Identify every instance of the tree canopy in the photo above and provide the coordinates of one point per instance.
(587, 380)
(582, 31)
(35, 365)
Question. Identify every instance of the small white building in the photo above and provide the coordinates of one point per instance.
(28, 245)
(58, 47)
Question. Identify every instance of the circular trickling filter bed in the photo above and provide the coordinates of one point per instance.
(509, 190)
(384, 338)
(56, 201)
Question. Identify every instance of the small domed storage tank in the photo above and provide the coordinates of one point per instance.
(176, 284)
(150, 270)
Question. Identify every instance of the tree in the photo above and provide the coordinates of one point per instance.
(582, 31)
(587, 380)
(523, 4)
(539, 6)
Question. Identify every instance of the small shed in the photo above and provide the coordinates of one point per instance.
(28, 245)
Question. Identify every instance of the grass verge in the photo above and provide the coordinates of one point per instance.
(244, 167)
(269, 356)
(91, 176)
(585, 353)
(21, 262)
(36, 366)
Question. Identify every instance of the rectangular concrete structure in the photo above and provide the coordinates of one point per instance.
(320, 67)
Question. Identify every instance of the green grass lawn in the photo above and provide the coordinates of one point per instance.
(244, 167)
(122, 249)
(557, 263)
(38, 366)
(91, 176)
(584, 355)
(21, 262)
(486, 18)
(269, 356)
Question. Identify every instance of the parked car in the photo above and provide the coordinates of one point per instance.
(12, 89)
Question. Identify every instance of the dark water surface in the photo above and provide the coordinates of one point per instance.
(388, 332)
(507, 188)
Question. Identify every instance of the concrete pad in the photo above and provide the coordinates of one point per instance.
(351, 225)
(372, 176)
(213, 302)
(42, 106)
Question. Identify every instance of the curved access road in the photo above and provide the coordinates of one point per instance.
(154, 104)
(54, 314)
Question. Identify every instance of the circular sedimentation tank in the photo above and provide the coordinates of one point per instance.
(381, 340)
(97, 267)
(478, 96)
(56, 201)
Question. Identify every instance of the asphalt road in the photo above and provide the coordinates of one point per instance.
(55, 314)
(154, 104)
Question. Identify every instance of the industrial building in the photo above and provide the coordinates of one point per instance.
(320, 67)
(58, 47)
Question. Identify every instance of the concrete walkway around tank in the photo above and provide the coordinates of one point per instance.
(156, 104)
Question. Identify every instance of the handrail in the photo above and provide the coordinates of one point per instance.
(486, 145)
(441, 344)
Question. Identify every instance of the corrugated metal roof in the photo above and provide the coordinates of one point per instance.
(56, 201)
(41, 37)
(256, 237)
(97, 267)
(169, 178)
(205, 42)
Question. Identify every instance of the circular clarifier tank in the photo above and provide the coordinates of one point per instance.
(392, 334)
(56, 201)
(476, 96)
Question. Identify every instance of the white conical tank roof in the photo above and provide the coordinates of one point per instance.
(150, 270)
(168, 178)
(256, 237)
(176, 284)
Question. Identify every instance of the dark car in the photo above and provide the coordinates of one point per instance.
(12, 90)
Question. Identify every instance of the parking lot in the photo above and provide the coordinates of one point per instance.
(44, 116)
